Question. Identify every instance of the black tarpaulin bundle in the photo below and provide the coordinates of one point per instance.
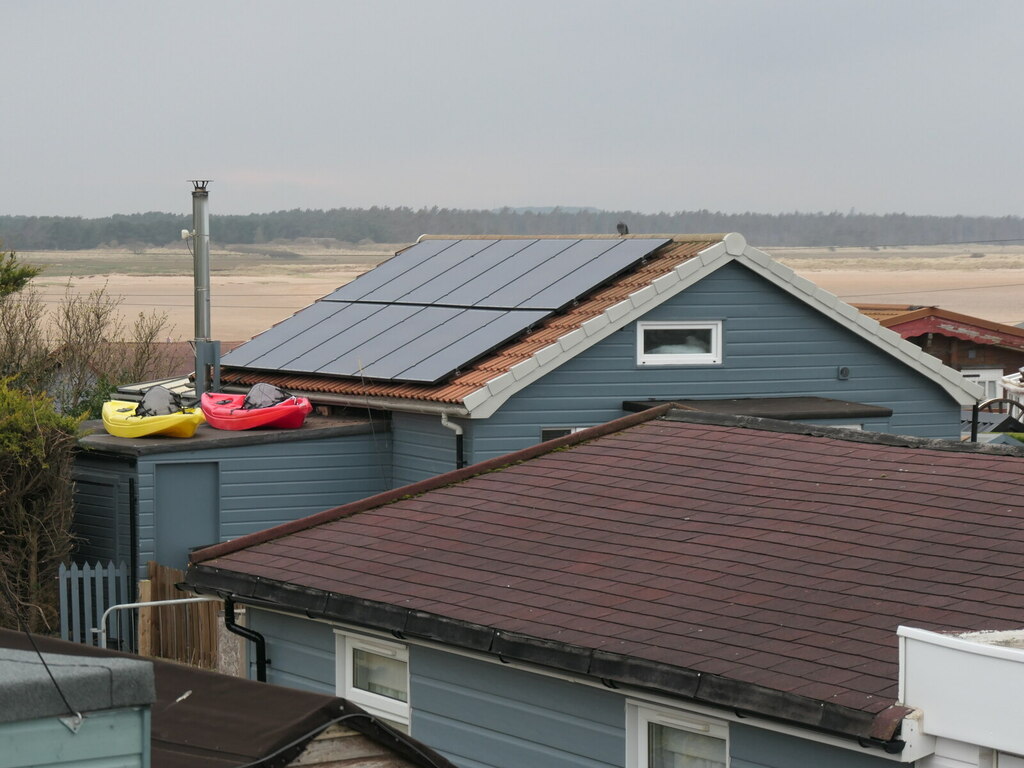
(159, 401)
(264, 395)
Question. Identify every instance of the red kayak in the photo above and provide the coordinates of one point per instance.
(264, 407)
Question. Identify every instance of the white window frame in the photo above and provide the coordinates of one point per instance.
(712, 357)
(568, 431)
(990, 379)
(639, 715)
(345, 645)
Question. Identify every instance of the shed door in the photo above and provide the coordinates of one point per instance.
(101, 520)
(187, 510)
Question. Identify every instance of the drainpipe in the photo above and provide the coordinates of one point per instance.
(248, 634)
(460, 455)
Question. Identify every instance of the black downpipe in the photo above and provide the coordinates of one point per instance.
(460, 452)
(248, 634)
(133, 536)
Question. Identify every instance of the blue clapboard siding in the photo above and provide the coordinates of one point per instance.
(774, 346)
(262, 485)
(102, 501)
(757, 748)
(301, 651)
(480, 714)
(422, 447)
(106, 739)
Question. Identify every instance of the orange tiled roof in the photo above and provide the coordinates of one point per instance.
(881, 312)
(680, 249)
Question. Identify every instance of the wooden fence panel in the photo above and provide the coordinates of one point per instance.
(86, 592)
(185, 633)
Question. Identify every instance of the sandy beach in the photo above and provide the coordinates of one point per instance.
(246, 300)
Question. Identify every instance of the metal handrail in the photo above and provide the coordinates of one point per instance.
(102, 631)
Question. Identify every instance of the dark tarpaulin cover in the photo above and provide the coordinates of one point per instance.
(158, 401)
(264, 395)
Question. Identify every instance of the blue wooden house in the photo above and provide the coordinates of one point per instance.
(458, 350)
(481, 346)
(674, 588)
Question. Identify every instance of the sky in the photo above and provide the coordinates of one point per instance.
(875, 106)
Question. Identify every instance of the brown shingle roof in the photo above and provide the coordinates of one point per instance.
(671, 255)
(774, 557)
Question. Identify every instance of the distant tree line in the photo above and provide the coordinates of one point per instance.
(402, 225)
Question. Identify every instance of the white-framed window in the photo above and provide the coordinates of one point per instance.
(679, 343)
(657, 737)
(374, 674)
(550, 433)
(988, 378)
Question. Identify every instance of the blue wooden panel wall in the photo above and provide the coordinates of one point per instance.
(481, 715)
(757, 748)
(301, 651)
(267, 484)
(103, 506)
(774, 346)
(422, 447)
(113, 737)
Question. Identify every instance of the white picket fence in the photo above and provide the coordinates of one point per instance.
(86, 591)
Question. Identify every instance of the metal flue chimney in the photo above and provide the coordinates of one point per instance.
(207, 351)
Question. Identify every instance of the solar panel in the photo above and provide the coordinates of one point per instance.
(387, 271)
(367, 325)
(245, 355)
(459, 287)
(478, 292)
(443, 348)
(437, 306)
(594, 271)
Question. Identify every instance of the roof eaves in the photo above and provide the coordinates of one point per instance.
(610, 668)
(962, 390)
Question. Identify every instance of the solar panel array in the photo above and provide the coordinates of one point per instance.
(437, 306)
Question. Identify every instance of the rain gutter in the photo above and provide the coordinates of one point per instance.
(879, 731)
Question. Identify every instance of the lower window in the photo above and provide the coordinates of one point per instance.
(550, 433)
(375, 675)
(664, 738)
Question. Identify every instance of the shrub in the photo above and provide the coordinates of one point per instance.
(36, 444)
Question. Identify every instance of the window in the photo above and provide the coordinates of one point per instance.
(375, 675)
(679, 343)
(664, 738)
(989, 378)
(550, 433)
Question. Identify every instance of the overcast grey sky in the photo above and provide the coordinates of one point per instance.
(908, 106)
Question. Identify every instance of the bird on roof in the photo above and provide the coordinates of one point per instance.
(623, 229)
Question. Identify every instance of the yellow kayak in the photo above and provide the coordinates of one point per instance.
(119, 419)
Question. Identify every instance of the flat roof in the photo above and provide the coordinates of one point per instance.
(784, 408)
(89, 684)
(95, 438)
